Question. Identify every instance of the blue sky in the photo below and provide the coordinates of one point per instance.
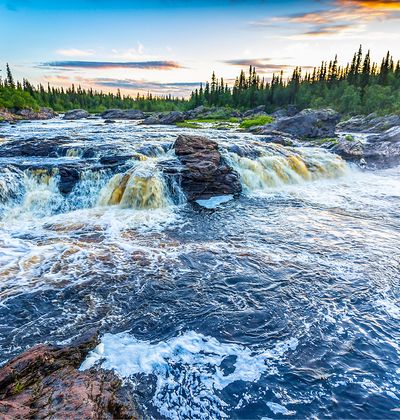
(168, 46)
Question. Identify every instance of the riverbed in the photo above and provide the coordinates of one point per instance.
(284, 302)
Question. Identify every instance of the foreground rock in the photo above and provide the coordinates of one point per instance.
(44, 382)
(76, 114)
(379, 150)
(369, 124)
(204, 174)
(308, 123)
(122, 114)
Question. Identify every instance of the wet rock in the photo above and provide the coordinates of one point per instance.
(308, 123)
(122, 114)
(109, 121)
(76, 114)
(369, 124)
(277, 137)
(44, 382)
(69, 177)
(204, 173)
(34, 147)
(378, 150)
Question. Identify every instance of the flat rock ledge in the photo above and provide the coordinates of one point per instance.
(44, 382)
(204, 172)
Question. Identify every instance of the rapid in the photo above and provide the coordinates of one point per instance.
(282, 302)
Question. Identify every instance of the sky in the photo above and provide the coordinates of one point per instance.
(169, 47)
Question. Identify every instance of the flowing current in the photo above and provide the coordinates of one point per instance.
(282, 302)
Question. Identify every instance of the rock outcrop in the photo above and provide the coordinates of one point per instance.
(379, 150)
(42, 114)
(122, 114)
(308, 123)
(26, 114)
(369, 124)
(76, 114)
(165, 119)
(204, 173)
(44, 382)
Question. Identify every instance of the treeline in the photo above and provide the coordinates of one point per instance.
(16, 95)
(360, 87)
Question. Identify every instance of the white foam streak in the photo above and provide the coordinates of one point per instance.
(188, 368)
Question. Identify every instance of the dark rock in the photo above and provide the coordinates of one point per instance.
(260, 110)
(369, 124)
(165, 119)
(109, 121)
(308, 123)
(379, 150)
(291, 110)
(42, 114)
(76, 114)
(172, 118)
(285, 139)
(44, 382)
(122, 114)
(204, 173)
(152, 120)
(69, 177)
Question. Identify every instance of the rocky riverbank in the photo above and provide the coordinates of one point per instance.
(45, 382)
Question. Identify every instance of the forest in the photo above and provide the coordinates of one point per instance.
(360, 87)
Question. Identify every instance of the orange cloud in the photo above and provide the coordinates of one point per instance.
(369, 4)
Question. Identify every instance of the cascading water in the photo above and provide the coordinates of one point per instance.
(142, 187)
(280, 303)
(277, 166)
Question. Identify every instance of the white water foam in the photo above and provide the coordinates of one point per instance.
(188, 369)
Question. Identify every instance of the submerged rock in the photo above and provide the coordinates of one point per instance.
(122, 114)
(308, 123)
(76, 114)
(204, 173)
(44, 382)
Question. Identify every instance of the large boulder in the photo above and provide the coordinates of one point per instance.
(379, 150)
(165, 119)
(308, 123)
(369, 124)
(76, 114)
(44, 382)
(204, 173)
(122, 114)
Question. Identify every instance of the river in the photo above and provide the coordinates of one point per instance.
(284, 302)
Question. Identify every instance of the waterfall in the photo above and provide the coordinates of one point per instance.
(274, 167)
(142, 187)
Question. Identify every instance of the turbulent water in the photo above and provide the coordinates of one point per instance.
(283, 302)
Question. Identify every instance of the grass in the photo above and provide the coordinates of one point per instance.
(349, 137)
(253, 122)
(216, 120)
(187, 124)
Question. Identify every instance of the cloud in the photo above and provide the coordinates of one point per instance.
(343, 16)
(73, 52)
(262, 65)
(148, 65)
(134, 85)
